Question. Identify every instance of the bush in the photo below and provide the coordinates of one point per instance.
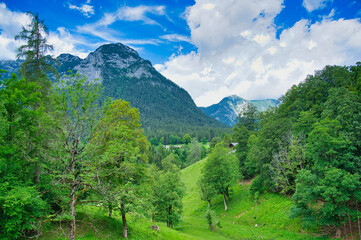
(258, 186)
(212, 219)
(20, 211)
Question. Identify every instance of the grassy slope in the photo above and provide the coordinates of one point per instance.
(238, 222)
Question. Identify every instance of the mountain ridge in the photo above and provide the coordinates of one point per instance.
(228, 109)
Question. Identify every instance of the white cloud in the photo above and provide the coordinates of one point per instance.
(175, 38)
(86, 9)
(238, 52)
(102, 28)
(140, 13)
(10, 26)
(64, 42)
(312, 5)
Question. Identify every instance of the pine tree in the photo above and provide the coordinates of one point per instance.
(34, 52)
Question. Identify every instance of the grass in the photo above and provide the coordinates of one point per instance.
(270, 213)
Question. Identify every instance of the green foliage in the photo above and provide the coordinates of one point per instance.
(20, 211)
(219, 173)
(194, 152)
(187, 139)
(265, 143)
(169, 164)
(212, 219)
(204, 140)
(154, 141)
(167, 199)
(21, 208)
(120, 149)
(208, 192)
(35, 67)
(258, 186)
(241, 136)
(286, 162)
(174, 140)
(248, 117)
(333, 178)
(214, 142)
(325, 109)
(156, 154)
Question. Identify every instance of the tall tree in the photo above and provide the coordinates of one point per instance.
(35, 69)
(220, 172)
(80, 111)
(168, 193)
(34, 52)
(119, 171)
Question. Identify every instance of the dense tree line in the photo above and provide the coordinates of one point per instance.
(309, 147)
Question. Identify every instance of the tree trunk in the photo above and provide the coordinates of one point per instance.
(37, 173)
(227, 194)
(209, 203)
(169, 214)
(72, 211)
(225, 203)
(338, 233)
(110, 208)
(72, 198)
(153, 216)
(125, 229)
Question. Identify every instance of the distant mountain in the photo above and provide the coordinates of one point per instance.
(164, 106)
(227, 110)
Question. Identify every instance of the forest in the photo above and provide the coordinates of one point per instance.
(62, 147)
(309, 147)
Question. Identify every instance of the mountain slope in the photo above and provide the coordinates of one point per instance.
(164, 107)
(227, 110)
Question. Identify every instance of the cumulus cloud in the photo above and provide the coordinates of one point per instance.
(312, 5)
(11, 24)
(238, 51)
(86, 9)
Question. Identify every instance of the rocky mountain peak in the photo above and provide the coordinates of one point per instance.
(227, 110)
(117, 48)
(114, 56)
(66, 57)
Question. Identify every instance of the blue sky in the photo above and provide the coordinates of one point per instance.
(256, 49)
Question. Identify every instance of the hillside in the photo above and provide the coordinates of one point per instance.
(164, 107)
(270, 214)
(228, 109)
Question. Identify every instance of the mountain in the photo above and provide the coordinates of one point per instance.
(164, 107)
(227, 110)
(10, 66)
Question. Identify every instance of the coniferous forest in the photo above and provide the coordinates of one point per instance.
(75, 163)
